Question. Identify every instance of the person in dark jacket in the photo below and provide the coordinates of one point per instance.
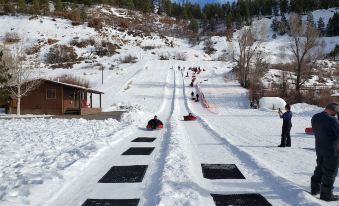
(326, 130)
(286, 127)
(192, 95)
(155, 122)
(197, 97)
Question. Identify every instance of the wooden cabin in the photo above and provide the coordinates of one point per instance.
(57, 98)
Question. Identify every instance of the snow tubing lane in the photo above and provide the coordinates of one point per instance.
(154, 185)
(279, 184)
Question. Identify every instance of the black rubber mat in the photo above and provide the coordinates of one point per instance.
(139, 151)
(310, 149)
(221, 171)
(109, 202)
(124, 174)
(144, 139)
(240, 200)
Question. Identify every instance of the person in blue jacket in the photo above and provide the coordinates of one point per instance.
(286, 127)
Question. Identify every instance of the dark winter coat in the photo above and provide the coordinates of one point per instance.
(326, 131)
(154, 123)
(287, 118)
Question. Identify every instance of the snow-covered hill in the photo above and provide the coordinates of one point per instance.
(41, 159)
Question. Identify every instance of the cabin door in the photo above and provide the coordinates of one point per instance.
(71, 100)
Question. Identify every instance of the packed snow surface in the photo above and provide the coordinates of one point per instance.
(57, 162)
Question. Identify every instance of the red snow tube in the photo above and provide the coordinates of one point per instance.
(190, 118)
(160, 126)
(309, 130)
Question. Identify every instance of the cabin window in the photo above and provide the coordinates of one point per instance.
(51, 94)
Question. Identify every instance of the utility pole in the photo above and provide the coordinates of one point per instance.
(102, 74)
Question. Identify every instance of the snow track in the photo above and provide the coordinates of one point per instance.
(207, 146)
(86, 186)
(174, 175)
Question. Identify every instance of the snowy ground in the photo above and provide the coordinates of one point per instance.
(58, 162)
(257, 132)
(37, 151)
(228, 133)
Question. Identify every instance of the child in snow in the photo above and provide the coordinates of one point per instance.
(286, 127)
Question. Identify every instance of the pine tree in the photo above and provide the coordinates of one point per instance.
(276, 8)
(9, 8)
(2, 4)
(22, 6)
(204, 22)
(167, 5)
(295, 6)
(58, 5)
(324, 4)
(36, 7)
(321, 25)
(283, 6)
(310, 20)
(247, 14)
(4, 74)
(83, 14)
(267, 7)
(229, 27)
(274, 25)
(196, 11)
(283, 19)
(129, 4)
(333, 25)
(229, 20)
(44, 6)
(238, 21)
(87, 2)
(212, 23)
(283, 25)
(147, 6)
(194, 25)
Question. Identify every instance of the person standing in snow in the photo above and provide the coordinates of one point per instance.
(192, 95)
(326, 131)
(197, 97)
(286, 127)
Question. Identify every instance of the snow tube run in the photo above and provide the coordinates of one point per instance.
(190, 118)
(160, 126)
(309, 130)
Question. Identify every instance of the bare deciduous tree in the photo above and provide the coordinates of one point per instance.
(249, 59)
(306, 50)
(23, 76)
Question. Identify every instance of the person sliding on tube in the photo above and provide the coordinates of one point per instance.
(155, 122)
